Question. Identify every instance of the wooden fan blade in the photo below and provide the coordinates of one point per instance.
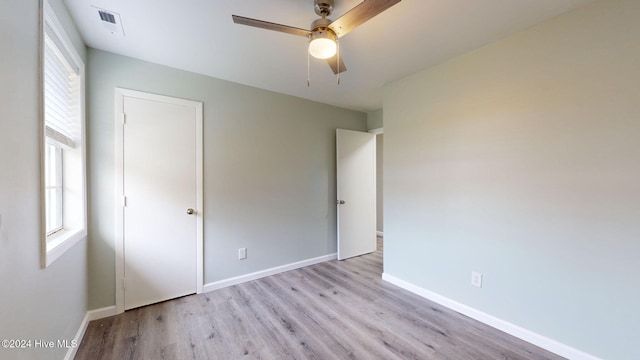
(359, 15)
(270, 26)
(337, 67)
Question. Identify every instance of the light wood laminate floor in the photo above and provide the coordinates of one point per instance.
(333, 310)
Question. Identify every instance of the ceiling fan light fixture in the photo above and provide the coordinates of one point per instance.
(323, 44)
(324, 33)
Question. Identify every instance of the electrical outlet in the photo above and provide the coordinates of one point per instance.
(476, 279)
(242, 253)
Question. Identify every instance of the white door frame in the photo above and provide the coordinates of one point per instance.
(120, 94)
(377, 131)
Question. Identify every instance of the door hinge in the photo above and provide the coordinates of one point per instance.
(124, 201)
(124, 283)
(124, 118)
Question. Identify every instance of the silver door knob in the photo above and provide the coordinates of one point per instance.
(190, 211)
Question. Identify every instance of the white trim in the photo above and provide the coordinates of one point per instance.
(51, 19)
(377, 131)
(268, 272)
(120, 93)
(101, 313)
(60, 242)
(71, 352)
(118, 198)
(88, 317)
(51, 252)
(199, 198)
(515, 330)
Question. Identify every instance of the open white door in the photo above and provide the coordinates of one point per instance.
(356, 190)
(161, 169)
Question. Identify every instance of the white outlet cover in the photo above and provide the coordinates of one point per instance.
(476, 279)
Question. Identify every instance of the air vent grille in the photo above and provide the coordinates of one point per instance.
(105, 16)
(110, 20)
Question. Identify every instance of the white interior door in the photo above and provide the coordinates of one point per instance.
(161, 206)
(356, 189)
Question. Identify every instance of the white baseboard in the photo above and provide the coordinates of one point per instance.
(101, 313)
(263, 273)
(380, 233)
(517, 331)
(89, 316)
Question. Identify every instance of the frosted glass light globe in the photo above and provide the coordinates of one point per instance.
(322, 48)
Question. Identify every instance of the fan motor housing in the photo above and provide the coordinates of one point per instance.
(320, 23)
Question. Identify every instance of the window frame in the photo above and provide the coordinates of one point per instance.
(54, 184)
(73, 160)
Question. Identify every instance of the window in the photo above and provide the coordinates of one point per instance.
(53, 189)
(63, 154)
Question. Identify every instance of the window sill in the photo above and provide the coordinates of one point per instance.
(60, 242)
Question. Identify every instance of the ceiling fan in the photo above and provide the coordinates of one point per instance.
(325, 32)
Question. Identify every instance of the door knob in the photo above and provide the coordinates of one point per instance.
(190, 211)
(340, 202)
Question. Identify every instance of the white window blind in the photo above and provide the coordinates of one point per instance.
(61, 96)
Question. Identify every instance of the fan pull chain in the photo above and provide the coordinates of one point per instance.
(338, 58)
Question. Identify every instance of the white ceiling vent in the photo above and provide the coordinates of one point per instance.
(108, 17)
(111, 21)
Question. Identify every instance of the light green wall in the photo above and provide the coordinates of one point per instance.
(374, 119)
(269, 170)
(36, 303)
(521, 160)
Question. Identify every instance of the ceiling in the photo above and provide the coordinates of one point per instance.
(200, 36)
